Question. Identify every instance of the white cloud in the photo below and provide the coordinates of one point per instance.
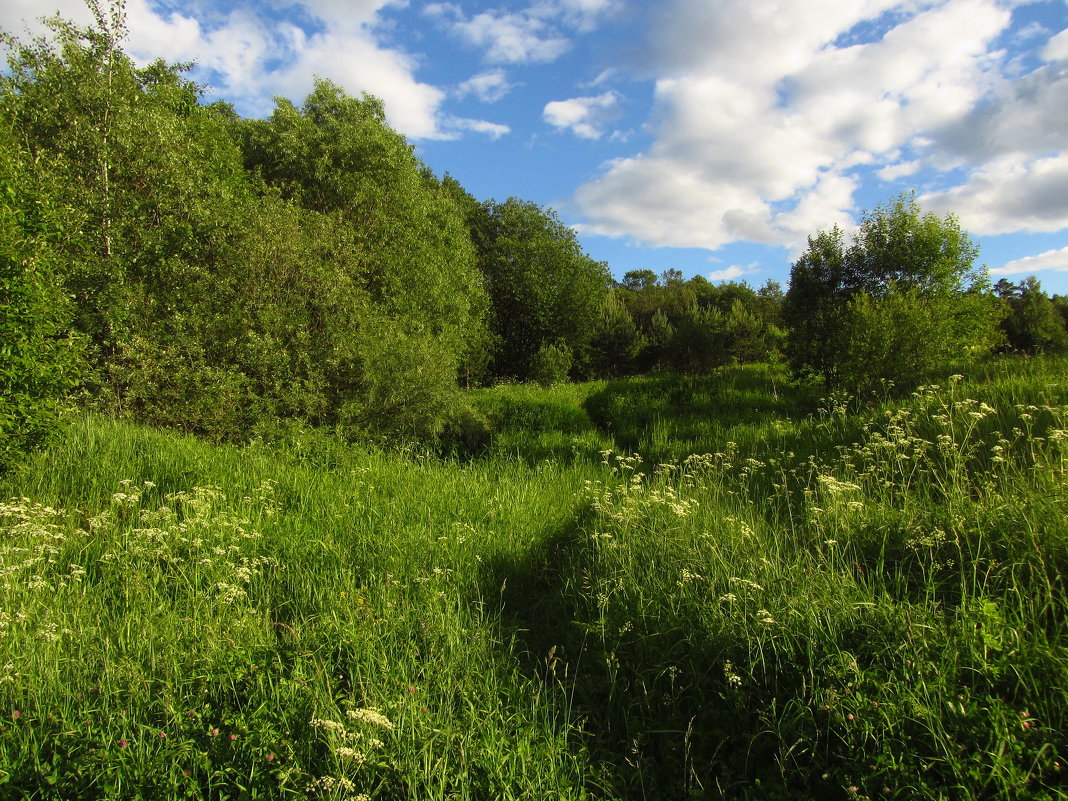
(506, 37)
(584, 14)
(765, 110)
(248, 59)
(491, 129)
(539, 33)
(1056, 48)
(1008, 195)
(21, 16)
(583, 116)
(603, 77)
(489, 87)
(903, 169)
(1056, 260)
(733, 272)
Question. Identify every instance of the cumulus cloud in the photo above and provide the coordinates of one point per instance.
(491, 129)
(539, 33)
(1056, 48)
(1056, 260)
(765, 111)
(1008, 195)
(505, 37)
(489, 87)
(902, 169)
(247, 58)
(732, 273)
(583, 116)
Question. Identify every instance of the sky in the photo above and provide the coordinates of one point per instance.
(708, 136)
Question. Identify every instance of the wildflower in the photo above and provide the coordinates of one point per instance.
(16, 714)
(373, 716)
(733, 679)
(122, 743)
(351, 753)
(162, 736)
(233, 737)
(270, 757)
(751, 584)
(214, 732)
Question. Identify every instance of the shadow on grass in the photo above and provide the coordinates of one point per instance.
(647, 697)
(662, 413)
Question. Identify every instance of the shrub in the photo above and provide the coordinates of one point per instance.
(38, 357)
(551, 364)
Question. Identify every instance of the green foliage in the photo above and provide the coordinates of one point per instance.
(658, 337)
(407, 256)
(337, 155)
(552, 364)
(639, 280)
(904, 334)
(700, 342)
(1060, 303)
(777, 599)
(1033, 323)
(221, 301)
(899, 257)
(617, 341)
(39, 358)
(543, 288)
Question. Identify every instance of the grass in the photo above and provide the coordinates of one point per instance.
(779, 597)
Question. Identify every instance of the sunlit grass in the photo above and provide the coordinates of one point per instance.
(658, 588)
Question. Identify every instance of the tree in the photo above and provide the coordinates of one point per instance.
(700, 342)
(228, 273)
(903, 267)
(814, 308)
(617, 341)
(639, 280)
(38, 355)
(1060, 303)
(1033, 323)
(544, 290)
(336, 154)
(659, 336)
(770, 299)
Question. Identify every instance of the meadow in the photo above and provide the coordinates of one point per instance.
(647, 588)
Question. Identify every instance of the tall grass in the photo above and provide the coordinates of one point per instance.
(779, 598)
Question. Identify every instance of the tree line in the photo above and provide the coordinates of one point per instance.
(165, 260)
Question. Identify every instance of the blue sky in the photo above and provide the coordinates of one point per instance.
(709, 136)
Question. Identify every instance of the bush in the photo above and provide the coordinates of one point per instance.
(551, 364)
(903, 298)
(38, 357)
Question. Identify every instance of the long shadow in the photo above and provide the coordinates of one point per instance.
(696, 409)
(649, 699)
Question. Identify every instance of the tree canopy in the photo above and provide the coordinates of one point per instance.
(902, 297)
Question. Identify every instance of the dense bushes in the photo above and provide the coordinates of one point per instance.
(38, 358)
(231, 274)
(900, 300)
